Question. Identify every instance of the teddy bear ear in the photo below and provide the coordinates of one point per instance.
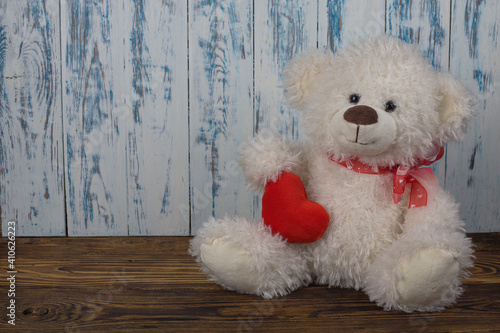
(299, 75)
(454, 109)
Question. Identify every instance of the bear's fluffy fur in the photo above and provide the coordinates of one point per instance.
(405, 259)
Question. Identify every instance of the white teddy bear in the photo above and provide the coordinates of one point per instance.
(372, 219)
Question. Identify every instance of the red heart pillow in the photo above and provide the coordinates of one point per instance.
(287, 211)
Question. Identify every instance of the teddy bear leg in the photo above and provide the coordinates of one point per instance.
(415, 274)
(427, 277)
(244, 256)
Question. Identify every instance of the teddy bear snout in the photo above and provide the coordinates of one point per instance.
(361, 115)
(363, 130)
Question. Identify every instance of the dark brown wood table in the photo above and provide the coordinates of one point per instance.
(132, 284)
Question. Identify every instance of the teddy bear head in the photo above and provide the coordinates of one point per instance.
(379, 101)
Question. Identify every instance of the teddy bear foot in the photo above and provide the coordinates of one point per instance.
(229, 263)
(246, 257)
(429, 280)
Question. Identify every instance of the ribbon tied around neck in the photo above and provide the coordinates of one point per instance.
(423, 183)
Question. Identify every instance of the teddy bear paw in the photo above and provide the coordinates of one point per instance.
(228, 264)
(427, 278)
(265, 157)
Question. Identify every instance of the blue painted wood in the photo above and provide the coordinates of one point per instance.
(221, 107)
(472, 165)
(282, 30)
(126, 124)
(423, 22)
(31, 148)
(344, 21)
(157, 97)
(95, 165)
(158, 142)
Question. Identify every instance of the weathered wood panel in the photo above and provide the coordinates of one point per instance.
(425, 22)
(282, 30)
(31, 148)
(221, 107)
(345, 21)
(146, 153)
(472, 172)
(126, 124)
(95, 163)
(157, 153)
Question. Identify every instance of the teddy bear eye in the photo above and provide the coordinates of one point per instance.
(390, 106)
(354, 98)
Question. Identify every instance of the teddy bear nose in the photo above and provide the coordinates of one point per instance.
(361, 115)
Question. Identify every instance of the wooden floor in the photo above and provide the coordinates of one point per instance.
(132, 284)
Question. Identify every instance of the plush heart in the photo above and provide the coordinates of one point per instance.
(287, 211)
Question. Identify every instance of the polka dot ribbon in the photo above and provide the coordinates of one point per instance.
(423, 183)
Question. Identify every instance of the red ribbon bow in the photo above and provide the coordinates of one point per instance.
(424, 184)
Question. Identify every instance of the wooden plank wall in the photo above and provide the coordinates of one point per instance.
(125, 117)
(125, 112)
(221, 105)
(31, 149)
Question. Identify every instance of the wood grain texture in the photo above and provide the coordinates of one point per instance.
(425, 22)
(221, 107)
(31, 148)
(341, 22)
(126, 117)
(282, 30)
(471, 167)
(151, 284)
(95, 163)
(157, 153)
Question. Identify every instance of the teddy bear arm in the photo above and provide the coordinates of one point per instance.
(267, 156)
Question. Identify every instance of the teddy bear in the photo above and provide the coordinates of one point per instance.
(354, 205)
